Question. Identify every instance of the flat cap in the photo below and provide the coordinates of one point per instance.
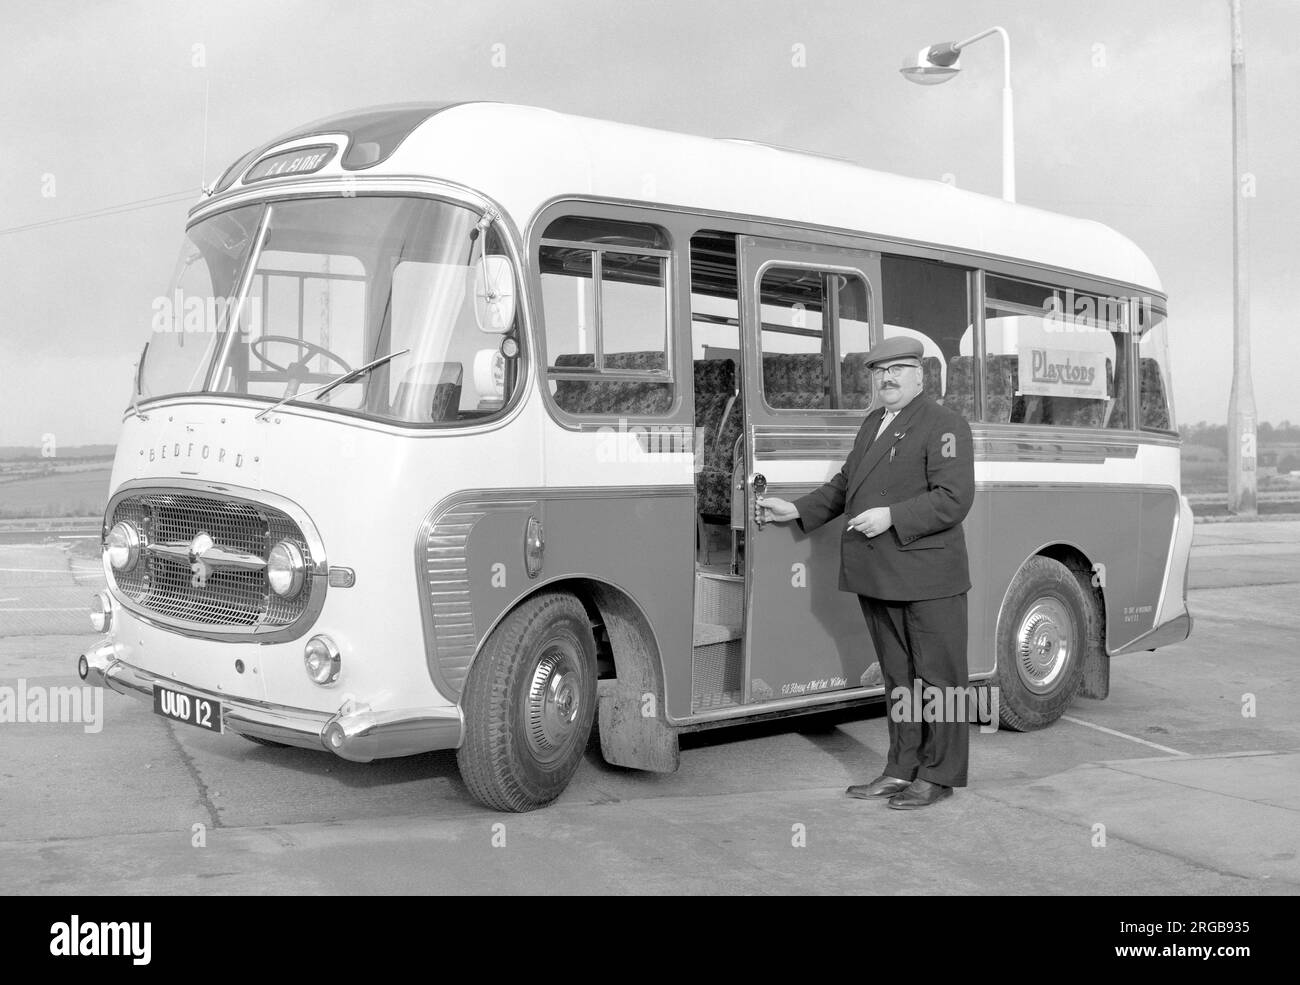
(898, 347)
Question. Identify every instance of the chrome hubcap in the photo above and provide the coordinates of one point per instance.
(554, 702)
(1043, 643)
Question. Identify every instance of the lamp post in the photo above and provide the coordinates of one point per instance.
(939, 63)
(1241, 401)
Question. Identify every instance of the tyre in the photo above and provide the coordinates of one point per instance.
(1042, 635)
(529, 703)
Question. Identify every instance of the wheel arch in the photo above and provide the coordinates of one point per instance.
(1096, 662)
(628, 638)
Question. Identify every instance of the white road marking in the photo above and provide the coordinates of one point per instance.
(38, 571)
(9, 600)
(1123, 735)
(78, 536)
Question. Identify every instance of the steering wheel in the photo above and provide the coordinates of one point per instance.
(309, 348)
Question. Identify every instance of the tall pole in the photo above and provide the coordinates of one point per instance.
(1008, 121)
(1241, 403)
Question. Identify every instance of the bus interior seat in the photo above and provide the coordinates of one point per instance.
(961, 386)
(598, 396)
(1151, 388)
(718, 418)
(1000, 379)
(429, 392)
(932, 377)
(856, 390)
(1082, 412)
(795, 380)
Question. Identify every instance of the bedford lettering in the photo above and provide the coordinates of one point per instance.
(164, 452)
(102, 939)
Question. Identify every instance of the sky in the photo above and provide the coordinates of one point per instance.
(1123, 115)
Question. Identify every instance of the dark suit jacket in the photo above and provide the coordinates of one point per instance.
(928, 484)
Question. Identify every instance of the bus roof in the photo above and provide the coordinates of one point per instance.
(525, 156)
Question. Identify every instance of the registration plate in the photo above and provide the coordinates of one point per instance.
(187, 708)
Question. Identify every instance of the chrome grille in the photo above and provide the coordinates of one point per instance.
(229, 599)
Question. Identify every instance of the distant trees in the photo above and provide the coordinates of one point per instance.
(1216, 435)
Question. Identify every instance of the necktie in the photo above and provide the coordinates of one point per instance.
(885, 421)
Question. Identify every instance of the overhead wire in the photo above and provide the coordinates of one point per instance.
(109, 210)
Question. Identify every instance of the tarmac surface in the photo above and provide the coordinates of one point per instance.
(1186, 781)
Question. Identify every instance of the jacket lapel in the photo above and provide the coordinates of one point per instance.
(879, 446)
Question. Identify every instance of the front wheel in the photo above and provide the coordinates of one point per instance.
(529, 702)
(1042, 635)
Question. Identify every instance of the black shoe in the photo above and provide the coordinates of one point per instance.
(921, 793)
(882, 786)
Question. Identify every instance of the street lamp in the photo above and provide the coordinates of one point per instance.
(939, 63)
(1242, 493)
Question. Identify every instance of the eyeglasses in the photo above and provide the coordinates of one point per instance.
(895, 371)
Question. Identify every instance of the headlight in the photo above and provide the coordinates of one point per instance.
(122, 546)
(322, 659)
(285, 569)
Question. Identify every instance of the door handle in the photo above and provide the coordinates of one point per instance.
(758, 488)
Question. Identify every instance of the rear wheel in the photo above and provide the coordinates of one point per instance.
(1042, 636)
(529, 702)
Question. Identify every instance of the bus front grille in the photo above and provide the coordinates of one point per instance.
(222, 591)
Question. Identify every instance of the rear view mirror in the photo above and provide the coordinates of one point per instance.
(494, 293)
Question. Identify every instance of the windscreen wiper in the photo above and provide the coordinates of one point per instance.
(324, 388)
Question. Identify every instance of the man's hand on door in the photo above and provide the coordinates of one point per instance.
(770, 509)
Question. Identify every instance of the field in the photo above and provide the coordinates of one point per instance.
(60, 493)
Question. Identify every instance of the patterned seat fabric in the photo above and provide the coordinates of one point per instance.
(429, 392)
(633, 399)
(855, 381)
(1082, 412)
(718, 417)
(795, 380)
(961, 386)
(932, 378)
(1001, 405)
(1151, 387)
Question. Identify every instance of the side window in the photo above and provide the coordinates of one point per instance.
(814, 336)
(1054, 356)
(930, 301)
(606, 308)
(1155, 389)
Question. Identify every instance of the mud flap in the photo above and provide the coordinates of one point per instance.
(632, 732)
(1095, 681)
(1096, 670)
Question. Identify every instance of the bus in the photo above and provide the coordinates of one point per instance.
(447, 433)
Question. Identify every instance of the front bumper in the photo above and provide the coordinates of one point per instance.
(354, 732)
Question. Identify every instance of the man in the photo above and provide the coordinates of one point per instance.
(906, 487)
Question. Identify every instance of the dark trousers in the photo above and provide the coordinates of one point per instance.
(926, 641)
